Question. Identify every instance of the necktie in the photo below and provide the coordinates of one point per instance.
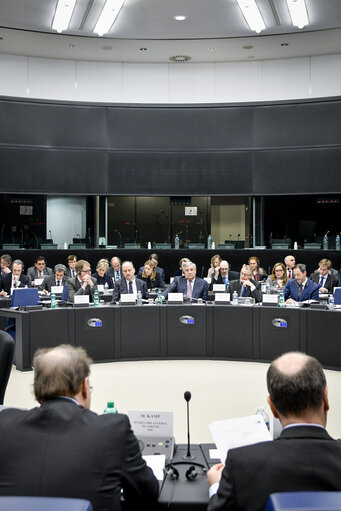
(130, 287)
(224, 280)
(73, 273)
(243, 291)
(300, 289)
(322, 280)
(58, 282)
(117, 275)
(289, 274)
(189, 289)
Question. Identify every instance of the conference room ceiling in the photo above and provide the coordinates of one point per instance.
(145, 31)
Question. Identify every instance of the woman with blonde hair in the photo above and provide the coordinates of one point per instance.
(215, 263)
(278, 277)
(150, 276)
(101, 274)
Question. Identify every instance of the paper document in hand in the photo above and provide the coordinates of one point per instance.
(230, 433)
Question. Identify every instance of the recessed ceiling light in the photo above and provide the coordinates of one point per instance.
(180, 58)
(72, 45)
(107, 48)
(211, 49)
(247, 47)
(284, 44)
(180, 17)
(143, 49)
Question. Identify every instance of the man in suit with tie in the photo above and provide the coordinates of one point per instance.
(290, 262)
(189, 284)
(39, 270)
(14, 279)
(58, 279)
(83, 284)
(71, 264)
(324, 277)
(129, 283)
(245, 285)
(5, 264)
(300, 288)
(223, 274)
(115, 272)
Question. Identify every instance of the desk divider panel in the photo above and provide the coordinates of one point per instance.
(279, 331)
(323, 336)
(97, 340)
(232, 332)
(186, 339)
(140, 332)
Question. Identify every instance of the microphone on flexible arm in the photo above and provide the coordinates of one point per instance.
(188, 456)
(118, 232)
(50, 234)
(202, 272)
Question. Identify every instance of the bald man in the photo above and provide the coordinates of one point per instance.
(303, 458)
(62, 449)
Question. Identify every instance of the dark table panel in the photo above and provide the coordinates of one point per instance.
(275, 340)
(323, 336)
(186, 340)
(232, 332)
(97, 341)
(48, 328)
(140, 332)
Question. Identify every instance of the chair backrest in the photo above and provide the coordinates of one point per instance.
(44, 503)
(6, 359)
(305, 501)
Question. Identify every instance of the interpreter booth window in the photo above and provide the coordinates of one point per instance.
(121, 221)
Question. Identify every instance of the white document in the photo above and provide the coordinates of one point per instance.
(237, 432)
(57, 290)
(156, 463)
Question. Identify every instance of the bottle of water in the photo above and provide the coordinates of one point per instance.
(159, 297)
(281, 301)
(209, 242)
(235, 298)
(325, 242)
(110, 408)
(267, 288)
(106, 286)
(139, 298)
(177, 242)
(96, 298)
(53, 301)
(337, 243)
(261, 411)
(331, 302)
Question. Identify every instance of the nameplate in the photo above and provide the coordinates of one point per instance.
(175, 297)
(273, 299)
(222, 297)
(146, 423)
(100, 288)
(57, 290)
(208, 280)
(38, 282)
(219, 288)
(78, 299)
(128, 298)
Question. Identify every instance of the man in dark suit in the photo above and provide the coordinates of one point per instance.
(71, 266)
(300, 288)
(245, 285)
(324, 277)
(58, 279)
(14, 279)
(62, 449)
(190, 285)
(39, 270)
(83, 284)
(129, 283)
(290, 262)
(303, 458)
(223, 274)
(115, 272)
(5, 264)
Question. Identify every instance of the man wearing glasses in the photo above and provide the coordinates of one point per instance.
(83, 283)
(39, 270)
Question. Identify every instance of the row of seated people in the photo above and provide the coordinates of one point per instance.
(121, 278)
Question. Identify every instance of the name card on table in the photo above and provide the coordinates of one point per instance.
(222, 298)
(38, 282)
(175, 297)
(100, 288)
(151, 423)
(77, 299)
(57, 290)
(128, 298)
(219, 288)
(270, 299)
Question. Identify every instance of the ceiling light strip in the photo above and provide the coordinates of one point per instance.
(108, 15)
(252, 15)
(63, 14)
(298, 13)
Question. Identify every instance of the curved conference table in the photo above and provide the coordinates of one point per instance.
(189, 331)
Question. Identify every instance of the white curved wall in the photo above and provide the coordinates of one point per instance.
(31, 77)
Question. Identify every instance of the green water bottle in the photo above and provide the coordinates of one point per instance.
(110, 408)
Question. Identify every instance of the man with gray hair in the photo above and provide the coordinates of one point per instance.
(245, 285)
(58, 279)
(303, 458)
(14, 279)
(62, 449)
(189, 284)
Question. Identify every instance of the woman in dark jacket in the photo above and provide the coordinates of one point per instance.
(151, 277)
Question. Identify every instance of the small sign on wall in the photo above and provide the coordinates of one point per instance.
(191, 211)
(26, 210)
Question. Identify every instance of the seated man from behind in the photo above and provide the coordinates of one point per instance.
(300, 288)
(83, 283)
(303, 458)
(190, 285)
(245, 285)
(62, 449)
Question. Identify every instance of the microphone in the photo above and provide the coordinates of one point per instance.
(50, 233)
(188, 456)
(202, 271)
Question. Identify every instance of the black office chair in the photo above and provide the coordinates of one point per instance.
(6, 359)
(44, 503)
